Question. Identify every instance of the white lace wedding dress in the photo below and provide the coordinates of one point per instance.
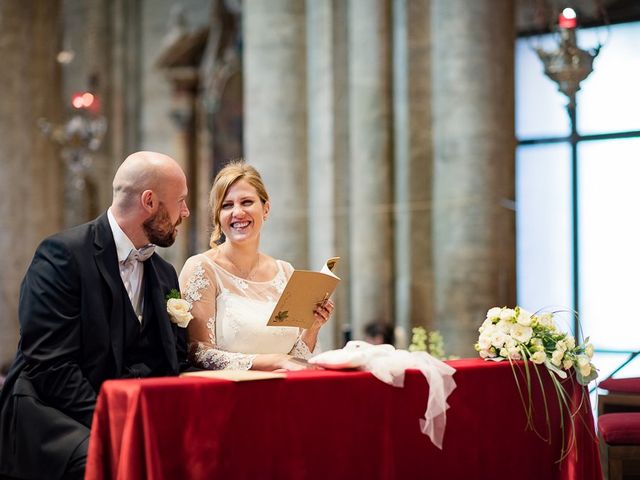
(231, 314)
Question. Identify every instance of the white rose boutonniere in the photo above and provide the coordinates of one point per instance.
(178, 309)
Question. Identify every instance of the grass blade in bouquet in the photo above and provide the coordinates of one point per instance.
(514, 334)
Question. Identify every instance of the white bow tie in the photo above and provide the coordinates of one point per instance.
(141, 254)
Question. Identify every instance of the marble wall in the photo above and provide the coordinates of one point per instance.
(384, 131)
(474, 143)
(114, 45)
(31, 178)
(409, 114)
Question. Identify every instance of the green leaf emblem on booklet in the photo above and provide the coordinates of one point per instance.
(304, 290)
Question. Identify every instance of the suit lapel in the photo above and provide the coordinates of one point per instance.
(107, 262)
(156, 311)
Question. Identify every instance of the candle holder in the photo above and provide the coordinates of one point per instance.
(79, 137)
(568, 65)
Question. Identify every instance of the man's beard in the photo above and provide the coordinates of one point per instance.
(159, 229)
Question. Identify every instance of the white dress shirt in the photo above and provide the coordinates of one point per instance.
(131, 272)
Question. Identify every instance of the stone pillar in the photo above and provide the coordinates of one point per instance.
(99, 54)
(327, 152)
(276, 119)
(370, 157)
(473, 119)
(341, 152)
(124, 86)
(413, 164)
(185, 114)
(31, 180)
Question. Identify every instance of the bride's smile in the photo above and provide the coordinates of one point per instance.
(242, 213)
(240, 225)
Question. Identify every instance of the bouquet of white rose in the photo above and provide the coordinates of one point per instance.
(515, 334)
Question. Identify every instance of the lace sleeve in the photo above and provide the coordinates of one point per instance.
(301, 350)
(205, 356)
(199, 288)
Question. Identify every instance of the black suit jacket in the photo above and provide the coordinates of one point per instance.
(72, 340)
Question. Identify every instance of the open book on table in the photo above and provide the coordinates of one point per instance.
(303, 291)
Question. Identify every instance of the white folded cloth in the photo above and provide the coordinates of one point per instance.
(388, 365)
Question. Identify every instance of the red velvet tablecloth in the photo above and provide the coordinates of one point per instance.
(335, 425)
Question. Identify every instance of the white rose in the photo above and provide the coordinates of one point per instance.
(567, 364)
(494, 313)
(524, 318)
(539, 357)
(508, 314)
(498, 338)
(588, 349)
(585, 370)
(582, 361)
(486, 324)
(545, 319)
(556, 357)
(561, 345)
(484, 342)
(571, 342)
(536, 342)
(487, 354)
(503, 326)
(178, 310)
(514, 353)
(510, 343)
(521, 333)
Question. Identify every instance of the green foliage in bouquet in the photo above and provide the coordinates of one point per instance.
(515, 334)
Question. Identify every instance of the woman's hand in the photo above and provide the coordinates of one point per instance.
(322, 312)
(279, 362)
(294, 363)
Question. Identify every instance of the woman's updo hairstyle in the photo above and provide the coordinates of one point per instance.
(231, 173)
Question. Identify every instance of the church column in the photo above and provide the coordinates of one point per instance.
(31, 179)
(100, 69)
(413, 164)
(185, 114)
(124, 82)
(341, 151)
(473, 118)
(371, 253)
(327, 151)
(275, 133)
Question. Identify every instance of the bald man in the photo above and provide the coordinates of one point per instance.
(92, 308)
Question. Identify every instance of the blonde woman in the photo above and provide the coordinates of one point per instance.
(233, 287)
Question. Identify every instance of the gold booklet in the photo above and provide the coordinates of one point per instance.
(304, 290)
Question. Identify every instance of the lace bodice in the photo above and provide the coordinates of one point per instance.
(231, 313)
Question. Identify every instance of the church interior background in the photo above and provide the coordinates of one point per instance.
(419, 140)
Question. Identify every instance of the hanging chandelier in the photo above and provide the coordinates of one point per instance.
(568, 65)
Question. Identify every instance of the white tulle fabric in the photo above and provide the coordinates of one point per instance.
(388, 365)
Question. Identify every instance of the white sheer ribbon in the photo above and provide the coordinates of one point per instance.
(388, 365)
